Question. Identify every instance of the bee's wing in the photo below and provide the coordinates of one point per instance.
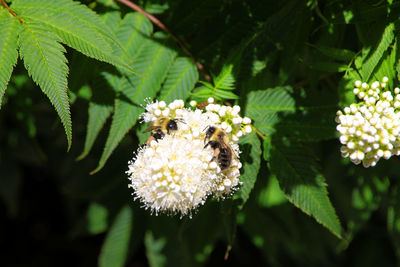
(226, 145)
(151, 128)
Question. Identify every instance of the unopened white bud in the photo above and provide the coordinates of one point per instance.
(246, 120)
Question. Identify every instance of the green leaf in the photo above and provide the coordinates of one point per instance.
(98, 114)
(115, 246)
(251, 154)
(76, 25)
(335, 53)
(153, 63)
(220, 95)
(154, 250)
(328, 66)
(225, 80)
(9, 28)
(133, 32)
(283, 111)
(297, 172)
(202, 92)
(373, 59)
(272, 194)
(97, 218)
(44, 59)
(386, 67)
(180, 80)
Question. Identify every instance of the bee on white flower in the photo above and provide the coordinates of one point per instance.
(175, 174)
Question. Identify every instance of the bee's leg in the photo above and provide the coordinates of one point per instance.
(158, 134)
(216, 153)
(213, 144)
(151, 138)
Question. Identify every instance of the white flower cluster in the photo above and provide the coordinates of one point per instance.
(176, 174)
(370, 129)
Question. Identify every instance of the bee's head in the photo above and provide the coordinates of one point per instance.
(210, 131)
(172, 125)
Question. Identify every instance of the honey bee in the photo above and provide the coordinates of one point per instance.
(219, 141)
(161, 127)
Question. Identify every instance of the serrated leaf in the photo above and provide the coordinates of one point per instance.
(133, 31)
(202, 92)
(279, 110)
(43, 57)
(220, 95)
(386, 67)
(180, 80)
(372, 60)
(115, 247)
(9, 28)
(251, 154)
(154, 249)
(304, 186)
(98, 115)
(153, 63)
(225, 80)
(335, 53)
(207, 84)
(76, 25)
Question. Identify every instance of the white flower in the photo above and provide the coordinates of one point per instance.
(176, 174)
(370, 129)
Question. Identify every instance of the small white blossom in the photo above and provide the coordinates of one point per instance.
(176, 174)
(370, 129)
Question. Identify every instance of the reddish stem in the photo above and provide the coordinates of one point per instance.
(4, 4)
(164, 28)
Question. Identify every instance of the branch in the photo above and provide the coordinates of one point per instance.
(164, 28)
(4, 4)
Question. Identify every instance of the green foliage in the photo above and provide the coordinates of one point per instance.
(290, 65)
(373, 58)
(115, 247)
(303, 184)
(8, 48)
(252, 158)
(44, 59)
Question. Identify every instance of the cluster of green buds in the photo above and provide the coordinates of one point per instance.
(369, 130)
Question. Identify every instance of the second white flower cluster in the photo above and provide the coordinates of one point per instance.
(370, 130)
(191, 154)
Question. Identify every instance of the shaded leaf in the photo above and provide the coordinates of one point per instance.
(115, 247)
(44, 59)
(284, 111)
(180, 80)
(9, 29)
(335, 53)
(304, 186)
(154, 250)
(76, 25)
(251, 153)
(375, 56)
(153, 63)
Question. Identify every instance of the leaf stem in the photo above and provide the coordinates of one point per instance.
(258, 132)
(4, 4)
(164, 28)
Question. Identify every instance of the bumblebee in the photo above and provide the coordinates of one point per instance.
(219, 141)
(161, 127)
